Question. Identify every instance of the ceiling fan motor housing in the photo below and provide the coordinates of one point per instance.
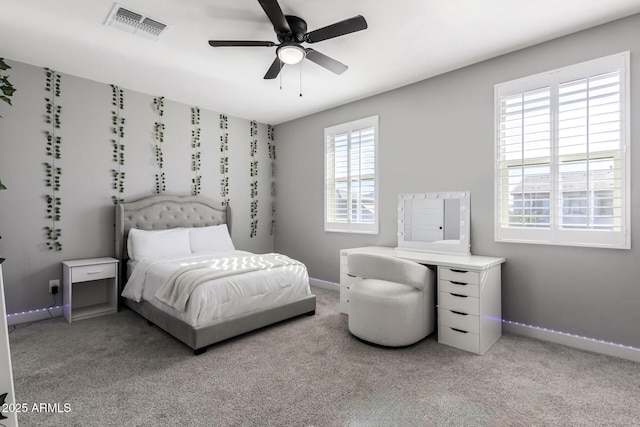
(298, 30)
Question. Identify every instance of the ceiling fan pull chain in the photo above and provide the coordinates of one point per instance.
(301, 79)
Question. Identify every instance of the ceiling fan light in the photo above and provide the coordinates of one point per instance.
(291, 53)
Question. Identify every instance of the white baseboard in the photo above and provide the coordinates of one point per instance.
(582, 343)
(324, 284)
(33, 315)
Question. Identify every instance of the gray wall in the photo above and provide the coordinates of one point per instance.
(87, 210)
(437, 135)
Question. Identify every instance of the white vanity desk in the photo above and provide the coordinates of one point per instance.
(468, 294)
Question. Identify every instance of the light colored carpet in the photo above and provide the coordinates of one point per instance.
(309, 371)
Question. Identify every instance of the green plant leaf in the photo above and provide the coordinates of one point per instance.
(2, 187)
(7, 90)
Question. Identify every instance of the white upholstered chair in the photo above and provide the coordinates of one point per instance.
(394, 303)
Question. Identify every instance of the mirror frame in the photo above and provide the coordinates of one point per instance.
(464, 245)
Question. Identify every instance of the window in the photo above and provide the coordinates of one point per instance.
(351, 186)
(562, 156)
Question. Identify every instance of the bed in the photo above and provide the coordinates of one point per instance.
(268, 295)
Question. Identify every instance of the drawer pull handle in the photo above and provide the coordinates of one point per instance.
(459, 296)
(94, 272)
(351, 275)
(460, 330)
(459, 271)
(459, 313)
(459, 283)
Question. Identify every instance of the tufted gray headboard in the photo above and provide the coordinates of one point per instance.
(162, 212)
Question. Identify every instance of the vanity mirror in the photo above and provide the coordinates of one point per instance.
(435, 222)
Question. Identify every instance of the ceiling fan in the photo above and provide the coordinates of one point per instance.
(291, 31)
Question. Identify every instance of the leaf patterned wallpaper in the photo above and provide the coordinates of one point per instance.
(97, 138)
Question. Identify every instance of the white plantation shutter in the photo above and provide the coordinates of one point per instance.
(350, 177)
(562, 148)
(525, 146)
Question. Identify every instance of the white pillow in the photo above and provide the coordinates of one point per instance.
(147, 245)
(212, 238)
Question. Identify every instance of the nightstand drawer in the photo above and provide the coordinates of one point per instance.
(454, 319)
(461, 303)
(460, 288)
(463, 276)
(93, 272)
(457, 338)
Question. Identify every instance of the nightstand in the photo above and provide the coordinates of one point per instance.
(89, 288)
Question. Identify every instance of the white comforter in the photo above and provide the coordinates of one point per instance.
(219, 299)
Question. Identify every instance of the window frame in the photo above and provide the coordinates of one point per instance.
(554, 234)
(349, 226)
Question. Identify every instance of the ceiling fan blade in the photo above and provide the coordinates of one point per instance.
(275, 15)
(325, 61)
(351, 25)
(234, 43)
(274, 70)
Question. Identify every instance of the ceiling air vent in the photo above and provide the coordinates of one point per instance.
(136, 23)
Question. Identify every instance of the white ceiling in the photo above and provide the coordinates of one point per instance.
(406, 41)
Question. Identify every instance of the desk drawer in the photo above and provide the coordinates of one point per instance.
(463, 276)
(460, 288)
(461, 303)
(347, 280)
(344, 293)
(344, 259)
(344, 300)
(93, 272)
(464, 340)
(465, 322)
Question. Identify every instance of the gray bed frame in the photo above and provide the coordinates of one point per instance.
(163, 212)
